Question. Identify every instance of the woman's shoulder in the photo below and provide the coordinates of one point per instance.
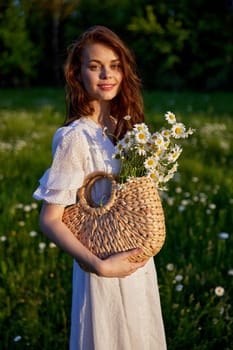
(69, 134)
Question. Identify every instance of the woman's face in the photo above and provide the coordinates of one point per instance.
(101, 72)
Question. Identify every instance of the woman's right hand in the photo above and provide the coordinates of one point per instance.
(118, 265)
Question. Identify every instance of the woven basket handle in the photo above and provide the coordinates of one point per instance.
(84, 192)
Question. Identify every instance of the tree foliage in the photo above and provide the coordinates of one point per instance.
(177, 44)
(19, 55)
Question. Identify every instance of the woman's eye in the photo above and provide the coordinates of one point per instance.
(94, 67)
(116, 66)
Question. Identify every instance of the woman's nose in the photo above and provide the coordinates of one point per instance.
(105, 73)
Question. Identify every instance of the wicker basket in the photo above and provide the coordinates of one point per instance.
(132, 218)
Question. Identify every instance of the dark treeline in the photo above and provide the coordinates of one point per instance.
(178, 44)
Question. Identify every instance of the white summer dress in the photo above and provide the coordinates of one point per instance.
(107, 313)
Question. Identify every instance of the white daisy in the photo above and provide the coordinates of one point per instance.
(141, 127)
(190, 131)
(127, 117)
(153, 175)
(174, 154)
(140, 149)
(166, 133)
(173, 169)
(158, 140)
(119, 147)
(219, 291)
(142, 136)
(178, 130)
(168, 177)
(127, 140)
(150, 163)
(170, 117)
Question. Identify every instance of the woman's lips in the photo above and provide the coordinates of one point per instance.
(106, 87)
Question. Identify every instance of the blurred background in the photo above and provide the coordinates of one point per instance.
(178, 44)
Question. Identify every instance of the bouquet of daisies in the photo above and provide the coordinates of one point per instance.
(153, 155)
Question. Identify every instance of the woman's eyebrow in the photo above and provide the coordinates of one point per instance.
(98, 61)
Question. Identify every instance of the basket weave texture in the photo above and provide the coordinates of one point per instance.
(132, 218)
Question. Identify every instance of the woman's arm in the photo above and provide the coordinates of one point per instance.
(116, 265)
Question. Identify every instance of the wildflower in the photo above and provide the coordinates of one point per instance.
(170, 117)
(119, 147)
(21, 223)
(223, 235)
(168, 177)
(127, 141)
(170, 267)
(142, 136)
(166, 133)
(152, 155)
(3, 238)
(32, 233)
(141, 150)
(140, 127)
(181, 208)
(230, 272)
(20, 144)
(27, 208)
(17, 338)
(52, 245)
(178, 278)
(158, 140)
(185, 202)
(190, 131)
(150, 163)
(174, 154)
(178, 189)
(42, 246)
(219, 291)
(19, 206)
(34, 205)
(179, 287)
(170, 201)
(158, 153)
(173, 168)
(153, 175)
(127, 117)
(178, 130)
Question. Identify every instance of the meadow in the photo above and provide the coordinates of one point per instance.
(195, 266)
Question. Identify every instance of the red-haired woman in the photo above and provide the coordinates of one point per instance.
(108, 311)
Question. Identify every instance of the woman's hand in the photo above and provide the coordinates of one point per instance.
(118, 265)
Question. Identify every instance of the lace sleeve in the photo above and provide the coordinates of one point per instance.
(59, 183)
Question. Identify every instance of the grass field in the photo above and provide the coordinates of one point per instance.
(195, 267)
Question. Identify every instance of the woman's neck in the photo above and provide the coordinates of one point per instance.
(101, 115)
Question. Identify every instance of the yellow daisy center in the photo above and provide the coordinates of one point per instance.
(150, 162)
(153, 176)
(141, 136)
(178, 130)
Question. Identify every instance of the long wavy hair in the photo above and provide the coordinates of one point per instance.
(128, 100)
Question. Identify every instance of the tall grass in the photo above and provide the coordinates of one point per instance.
(35, 277)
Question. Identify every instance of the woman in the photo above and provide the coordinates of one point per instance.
(108, 311)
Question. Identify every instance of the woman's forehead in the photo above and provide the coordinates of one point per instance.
(99, 51)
